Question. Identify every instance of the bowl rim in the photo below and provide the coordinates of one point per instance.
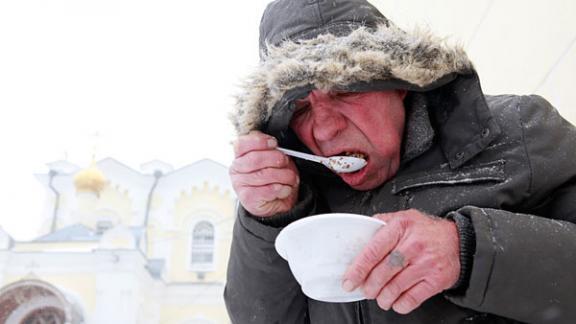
(279, 243)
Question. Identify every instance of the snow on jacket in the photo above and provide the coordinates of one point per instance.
(506, 163)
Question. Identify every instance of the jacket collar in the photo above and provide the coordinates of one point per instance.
(464, 121)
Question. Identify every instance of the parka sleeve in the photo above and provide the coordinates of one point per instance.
(260, 287)
(524, 265)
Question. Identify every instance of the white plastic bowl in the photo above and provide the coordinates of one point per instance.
(320, 248)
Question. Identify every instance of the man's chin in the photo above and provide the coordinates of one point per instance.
(361, 180)
(364, 180)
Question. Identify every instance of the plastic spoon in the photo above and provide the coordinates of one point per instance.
(338, 163)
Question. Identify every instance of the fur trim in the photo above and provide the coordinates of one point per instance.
(332, 62)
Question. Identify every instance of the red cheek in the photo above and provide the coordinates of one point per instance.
(304, 131)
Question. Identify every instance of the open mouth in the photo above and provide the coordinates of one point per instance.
(359, 155)
(356, 177)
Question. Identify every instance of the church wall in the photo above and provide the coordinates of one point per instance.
(200, 204)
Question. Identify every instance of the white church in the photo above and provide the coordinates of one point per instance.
(124, 246)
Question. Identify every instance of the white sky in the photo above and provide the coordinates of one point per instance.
(154, 80)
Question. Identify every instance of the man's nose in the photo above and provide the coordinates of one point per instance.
(327, 122)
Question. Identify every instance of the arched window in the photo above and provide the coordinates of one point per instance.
(202, 258)
(36, 302)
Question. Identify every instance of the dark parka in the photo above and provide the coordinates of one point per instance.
(504, 164)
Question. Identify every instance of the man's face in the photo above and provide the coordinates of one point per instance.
(370, 124)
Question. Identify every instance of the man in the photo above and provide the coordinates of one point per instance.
(478, 192)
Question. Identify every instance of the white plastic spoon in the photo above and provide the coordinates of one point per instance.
(339, 163)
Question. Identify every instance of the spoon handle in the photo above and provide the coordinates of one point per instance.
(301, 155)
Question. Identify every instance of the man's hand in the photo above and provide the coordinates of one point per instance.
(412, 258)
(265, 179)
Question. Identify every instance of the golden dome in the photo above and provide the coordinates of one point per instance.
(90, 179)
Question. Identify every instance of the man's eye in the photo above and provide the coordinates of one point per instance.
(299, 112)
(300, 107)
(300, 103)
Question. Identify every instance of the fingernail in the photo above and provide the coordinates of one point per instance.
(284, 192)
(401, 307)
(272, 143)
(348, 285)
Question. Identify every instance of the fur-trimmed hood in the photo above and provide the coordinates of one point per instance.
(414, 61)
